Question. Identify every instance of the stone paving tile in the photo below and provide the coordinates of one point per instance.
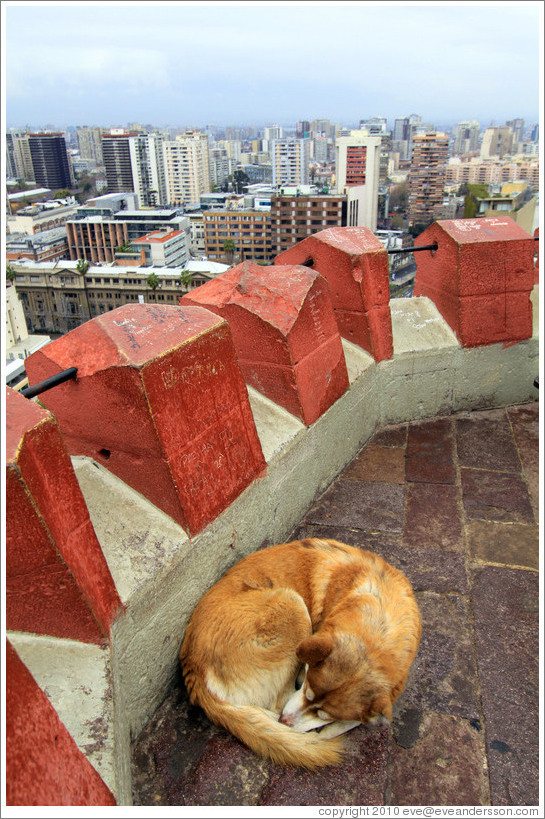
(360, 779)
(361, 505)
(430, 452)
(377, 463)
(433, 517)
(443, 677)
(445, 764)
(484, 440)
(513, 544)
(506, 611)
(228, 773)
(395, 435)
(495, 496)
(525, 424)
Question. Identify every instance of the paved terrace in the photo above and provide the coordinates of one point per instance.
(453, 502)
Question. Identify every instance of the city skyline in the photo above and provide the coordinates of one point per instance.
(255, 63)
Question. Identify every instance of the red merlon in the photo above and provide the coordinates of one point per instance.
(536, 259)
(480, 278)
(44, 766)
(57, 580)
(160, 401)
(355, 264)
(284, 331)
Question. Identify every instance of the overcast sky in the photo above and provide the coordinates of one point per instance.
(226, 63)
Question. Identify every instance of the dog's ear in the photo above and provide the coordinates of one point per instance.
(314, 649)
(381, 707)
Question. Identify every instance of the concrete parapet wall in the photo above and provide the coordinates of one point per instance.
(160, 556)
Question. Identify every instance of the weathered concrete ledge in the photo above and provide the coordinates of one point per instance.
(160, 572)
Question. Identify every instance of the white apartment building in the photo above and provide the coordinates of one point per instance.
(148, 169)
(270, 133)
(357, 170)
(290, 161)
(187, 169)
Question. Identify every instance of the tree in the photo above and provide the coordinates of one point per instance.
(399, 196)
(186, 277)
(229, 247)
(82, 266)
(10, 272)
(153, 281)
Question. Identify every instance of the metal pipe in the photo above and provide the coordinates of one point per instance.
(53, 381)
(434, 246)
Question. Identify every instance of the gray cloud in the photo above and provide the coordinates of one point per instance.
(262, 62)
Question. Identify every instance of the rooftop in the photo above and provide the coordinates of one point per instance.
(453, 502)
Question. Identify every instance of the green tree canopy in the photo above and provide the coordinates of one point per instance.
(153, 281)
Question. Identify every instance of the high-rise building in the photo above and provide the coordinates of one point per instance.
(148, 169)
(50, 164)
(187, 168)
(290, 161)
(90, 143)
(517, 127)
(302, 129)
(497, 142)
(270, 133)
(357, 171)
(465, 137)
(427, 177)
(116, 155)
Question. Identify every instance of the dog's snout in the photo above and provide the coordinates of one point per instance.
(287, 719)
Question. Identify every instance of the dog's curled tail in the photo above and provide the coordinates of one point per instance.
(268, 738)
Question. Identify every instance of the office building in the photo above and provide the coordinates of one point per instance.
(105, 223)
(427, 177)
(295, 217)
(187, 169)
(249, 230)
(290, 161)
(50, 163)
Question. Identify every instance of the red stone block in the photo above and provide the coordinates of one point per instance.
(536, 256)
(285, 333)
(159, 400)
(355, 264)
(480, 278)
(44, 766)
(57, 580)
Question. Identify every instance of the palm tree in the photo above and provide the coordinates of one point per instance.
(185, 277)
(10, 272)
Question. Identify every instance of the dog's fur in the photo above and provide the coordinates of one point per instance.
(345, 614)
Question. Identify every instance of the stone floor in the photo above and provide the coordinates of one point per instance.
(453, 502)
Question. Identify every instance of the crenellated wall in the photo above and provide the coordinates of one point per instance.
(193, 435)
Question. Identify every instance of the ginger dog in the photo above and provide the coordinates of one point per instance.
(344, 614)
